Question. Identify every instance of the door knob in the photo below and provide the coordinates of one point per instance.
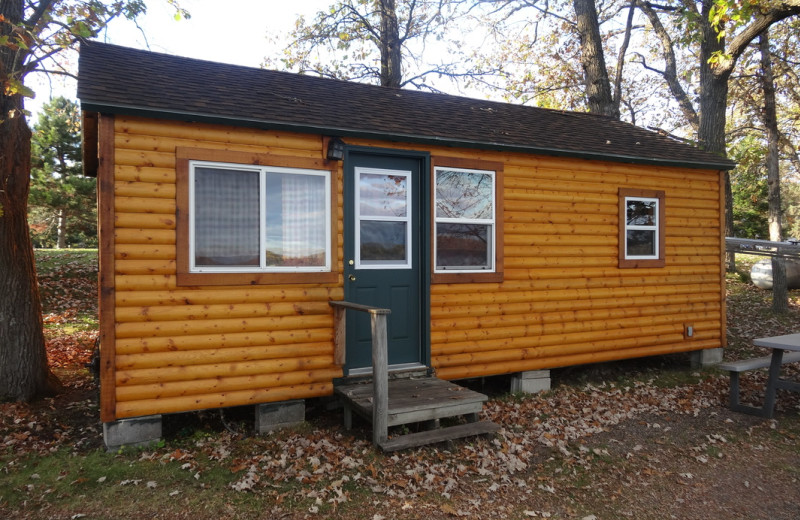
(352, 277)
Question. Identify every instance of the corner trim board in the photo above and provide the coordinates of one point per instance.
(107, 311)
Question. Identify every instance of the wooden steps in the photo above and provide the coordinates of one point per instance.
(413, 440)
(415, 400)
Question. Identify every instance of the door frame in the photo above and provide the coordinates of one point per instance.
(423, 222)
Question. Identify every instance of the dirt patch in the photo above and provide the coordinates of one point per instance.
(719, 464)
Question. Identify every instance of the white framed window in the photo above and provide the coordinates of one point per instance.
(250, 219)
(383, 219)
(464, 220)
(641, 228)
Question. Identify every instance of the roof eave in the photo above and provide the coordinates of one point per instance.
(131, 110)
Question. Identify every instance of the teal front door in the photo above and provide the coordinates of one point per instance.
(383, 255)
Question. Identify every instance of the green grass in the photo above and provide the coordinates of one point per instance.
(94, 482)
(49, 260)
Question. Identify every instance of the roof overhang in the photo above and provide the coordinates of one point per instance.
(131, 110)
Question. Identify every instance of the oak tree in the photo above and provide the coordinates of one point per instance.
(721, 32)
(33, 34)
(389, 42)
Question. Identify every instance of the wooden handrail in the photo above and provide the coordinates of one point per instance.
(380, 360)
(359, 307)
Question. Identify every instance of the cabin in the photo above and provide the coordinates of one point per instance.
(236, 204)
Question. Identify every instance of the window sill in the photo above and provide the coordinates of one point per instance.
(194, 279)
(631, 264)
(477, 277)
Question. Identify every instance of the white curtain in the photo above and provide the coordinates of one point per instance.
(303, 215)
(226, 213)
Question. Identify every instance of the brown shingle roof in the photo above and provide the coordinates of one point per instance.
(114, 79)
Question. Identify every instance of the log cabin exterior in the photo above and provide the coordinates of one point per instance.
(504, 238)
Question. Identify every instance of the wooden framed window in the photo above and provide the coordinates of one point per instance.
(467, 237)
(250, 222)
(641, 228)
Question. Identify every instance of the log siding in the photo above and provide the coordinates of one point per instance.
(179, 348)
(561, 298)
(564, 300)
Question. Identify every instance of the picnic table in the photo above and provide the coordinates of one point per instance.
(779, 344)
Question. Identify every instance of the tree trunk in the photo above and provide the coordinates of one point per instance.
(62, 229)
(771, 124)
(780, 294)
(713, 103)
(391, 52)
(24, 373)
(595, 73)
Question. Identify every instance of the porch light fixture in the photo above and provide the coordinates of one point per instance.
(335, 149)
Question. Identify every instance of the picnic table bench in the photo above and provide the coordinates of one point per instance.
(778, 344)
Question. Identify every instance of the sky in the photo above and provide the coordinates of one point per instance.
(229, 31)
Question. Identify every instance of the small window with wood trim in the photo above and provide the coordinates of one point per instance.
(641, 228)
(467, 222)
(464, 204)
(252, 223)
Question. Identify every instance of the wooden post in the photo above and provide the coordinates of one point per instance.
(380, 379)
(339, 335)
(380, 362)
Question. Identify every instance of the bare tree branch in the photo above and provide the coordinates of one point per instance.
(617, 98)
(38, 12)
(670, 72)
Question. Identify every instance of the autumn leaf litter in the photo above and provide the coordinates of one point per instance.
(546, 443)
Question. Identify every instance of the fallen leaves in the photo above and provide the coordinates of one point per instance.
(68, 288)
(314, 473)
(71, 350)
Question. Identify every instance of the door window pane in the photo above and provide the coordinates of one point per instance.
(383, 242)
(383, 219)
(383, 195)
(226, 209)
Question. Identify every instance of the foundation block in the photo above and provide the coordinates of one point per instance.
(135, 431)
(706, 358)
(275, 416)
(531, 382)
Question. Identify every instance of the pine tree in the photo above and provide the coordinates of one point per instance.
(61, 206)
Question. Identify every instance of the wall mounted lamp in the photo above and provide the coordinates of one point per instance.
(335, 149)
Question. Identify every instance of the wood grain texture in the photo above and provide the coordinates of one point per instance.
(561, 299)
(105, 212)
(175, 342)
(204, 401)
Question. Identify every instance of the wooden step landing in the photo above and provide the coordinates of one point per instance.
(417, 400)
